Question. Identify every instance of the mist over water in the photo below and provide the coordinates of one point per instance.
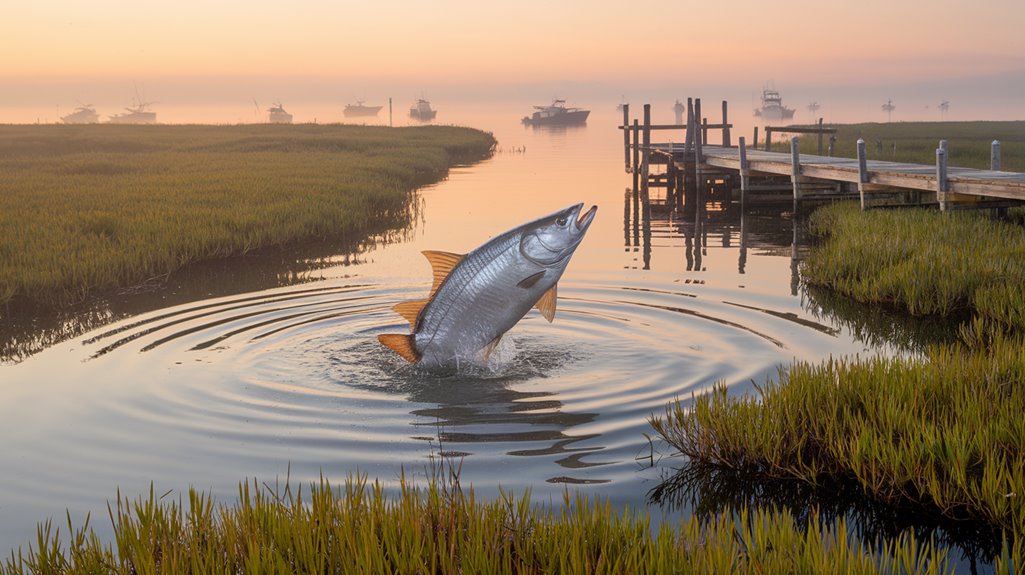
(241, 380)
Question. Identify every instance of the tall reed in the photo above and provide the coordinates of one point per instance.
(358, 528)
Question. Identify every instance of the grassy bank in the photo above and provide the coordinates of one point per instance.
(91, 208)
(444, 529)
(941, 435)
(924, 261)
(969, 142)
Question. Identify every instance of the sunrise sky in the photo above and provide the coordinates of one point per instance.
(61, 51)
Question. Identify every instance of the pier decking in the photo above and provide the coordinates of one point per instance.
(739, 170)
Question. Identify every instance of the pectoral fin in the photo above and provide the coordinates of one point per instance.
(402, 344)
(529, 281)
(410, 310)
(546, 305)
(442, 264)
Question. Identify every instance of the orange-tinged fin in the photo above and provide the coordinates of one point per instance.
(402, 344)
(410, 310)
(546, 305)
(442, 263)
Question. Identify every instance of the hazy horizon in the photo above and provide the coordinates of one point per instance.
(849, 59)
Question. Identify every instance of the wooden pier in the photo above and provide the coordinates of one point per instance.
(696, 171)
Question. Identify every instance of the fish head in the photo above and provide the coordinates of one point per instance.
(549, 241)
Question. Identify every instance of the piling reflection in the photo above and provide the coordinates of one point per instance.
(707, 490)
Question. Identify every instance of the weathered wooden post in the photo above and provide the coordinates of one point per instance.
(863, 175)
(941, 175)
(994, 156)
(820, 136)
(743, 174)
(626, 135)
(726, 139)
(637, 177)
(645, 168)
(698, 141)
(754, 143)
(704, 131)
(768, 137)
(795, 168)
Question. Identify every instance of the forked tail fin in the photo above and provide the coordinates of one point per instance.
(402, 344)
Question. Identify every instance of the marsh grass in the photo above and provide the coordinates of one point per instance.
(916, 142)
(91, 208)
(944, 435)
(923, 261)
(442, 528)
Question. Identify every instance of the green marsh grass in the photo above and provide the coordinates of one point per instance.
(85, 209)
(916, 142)
(442, 528)
(923, 261)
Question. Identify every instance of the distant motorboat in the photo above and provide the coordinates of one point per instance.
(360, 110)
(556, 115)
(772, 106)
(82, 115)
(422, 111)
(138, 114)
(276, 114)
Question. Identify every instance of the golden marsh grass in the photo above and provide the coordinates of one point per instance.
(91, 208)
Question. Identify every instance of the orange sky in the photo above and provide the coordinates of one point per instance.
(473, 43)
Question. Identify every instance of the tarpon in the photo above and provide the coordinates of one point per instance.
(477, 297)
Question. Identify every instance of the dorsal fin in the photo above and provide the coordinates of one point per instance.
(546, 305)
(410, 310)
(402, 344)
(442, 264)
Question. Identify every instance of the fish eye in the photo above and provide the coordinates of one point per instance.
(561, 221)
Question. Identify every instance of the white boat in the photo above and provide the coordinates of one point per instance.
(137, 114)
(422, 111)
(556, 115)
(82, 115)
(276, 114)
(360, 110)
(772, 106)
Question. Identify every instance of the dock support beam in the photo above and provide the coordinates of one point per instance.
(626, 135)
(744, 174)
(645, 167)
(726, 140)
(795, 168)
(994, 156)
(862, 171)
(942, 185)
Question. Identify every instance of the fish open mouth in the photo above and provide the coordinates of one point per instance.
(585, 218)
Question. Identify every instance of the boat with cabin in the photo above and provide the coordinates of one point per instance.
(422, 111)
(82, 115)
(772, 106)
(360, 110)
(276, 114)
(137, 114)
(556, 115)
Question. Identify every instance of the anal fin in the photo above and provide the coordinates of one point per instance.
(402, 344)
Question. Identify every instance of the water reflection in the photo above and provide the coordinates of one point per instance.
(707, 490)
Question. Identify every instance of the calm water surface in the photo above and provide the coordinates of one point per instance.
(259, 384)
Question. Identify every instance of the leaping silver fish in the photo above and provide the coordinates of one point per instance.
(477, 297)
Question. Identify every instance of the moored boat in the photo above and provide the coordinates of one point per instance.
(82, 115)
(276, 114)
(556, 114)
(772, 106)
(422, 111)
(360, 110)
